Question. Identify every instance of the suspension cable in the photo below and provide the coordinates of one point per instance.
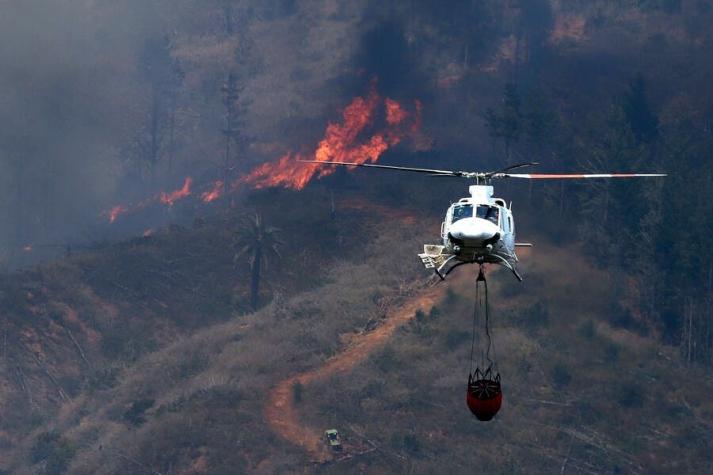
(487, 325)
(475, 318)
(481, 302)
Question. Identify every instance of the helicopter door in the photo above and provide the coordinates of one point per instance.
(509, 229)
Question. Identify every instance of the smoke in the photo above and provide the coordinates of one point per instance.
(66, 75)
(117, 102)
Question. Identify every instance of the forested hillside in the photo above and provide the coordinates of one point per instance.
(150, 150)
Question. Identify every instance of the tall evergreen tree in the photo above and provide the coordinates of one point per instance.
(637, 110)
(163, 77)
(506, 123)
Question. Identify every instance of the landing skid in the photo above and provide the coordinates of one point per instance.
(447, 267)
(507, 265)
(444, 263)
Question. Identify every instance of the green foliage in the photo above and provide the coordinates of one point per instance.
(253, 235)
(135, 415)
(620, 316)
(561, 377)
(127, 340)
(534, 316)
(406, 442)
(297, 391)
(374, 388)
(260, 244)
(507, 124)
(451, 296)
(630, 395)
(527, 118)
(53, 450)
(587, 412)
(411, 443)
(587, 330)
(101, 378)
(455, 338)
(420, 316)
(611, 353)
(641, 119)
(43, 446)
(387, 360)
(670, 7)
(434, 313)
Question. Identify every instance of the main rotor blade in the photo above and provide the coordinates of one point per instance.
(388, 167)
(512, 167)
(565, 176)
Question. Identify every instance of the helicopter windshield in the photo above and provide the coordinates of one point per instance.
(490, 213)
(462, 211)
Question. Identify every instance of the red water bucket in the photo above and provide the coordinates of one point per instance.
(484, 396)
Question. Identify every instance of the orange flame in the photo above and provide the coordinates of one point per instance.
(167, 198)
(170, 198)
(148, 232)
(214, 193)
(27, 248)
(394, 112)
(340, 144)
(348, 140)
(116, 211)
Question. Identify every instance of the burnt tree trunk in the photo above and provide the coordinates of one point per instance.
(255, 277)
(20, 234)
(230, 99)
(154, 137)
(171, 140)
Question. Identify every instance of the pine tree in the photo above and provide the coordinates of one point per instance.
(507, 123)
(637, 110)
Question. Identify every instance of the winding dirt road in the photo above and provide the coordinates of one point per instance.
(280, 411)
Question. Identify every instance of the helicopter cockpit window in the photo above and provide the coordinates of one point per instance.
(462, 211)
(490, 213)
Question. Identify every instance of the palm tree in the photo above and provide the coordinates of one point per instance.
(260, 243)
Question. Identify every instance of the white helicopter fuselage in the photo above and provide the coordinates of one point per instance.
(476, 229)
(479, 227)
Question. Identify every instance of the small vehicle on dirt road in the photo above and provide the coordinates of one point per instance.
(333, 439)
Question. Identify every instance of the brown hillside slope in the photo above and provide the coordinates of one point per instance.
(71, 328)
(581, 395)
(112, 414)
(280, 410)
(572, 381)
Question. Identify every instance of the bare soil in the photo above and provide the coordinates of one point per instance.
(280, 411)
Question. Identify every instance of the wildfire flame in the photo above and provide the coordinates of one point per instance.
(170, 198)
(360, 136)
(395, 114)
(27, 248)
(214, 193)
(167, 198)
(340, 144)
(116, 211)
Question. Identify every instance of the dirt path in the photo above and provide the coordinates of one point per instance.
(280, 411)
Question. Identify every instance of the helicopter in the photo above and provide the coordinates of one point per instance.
(480, 228)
